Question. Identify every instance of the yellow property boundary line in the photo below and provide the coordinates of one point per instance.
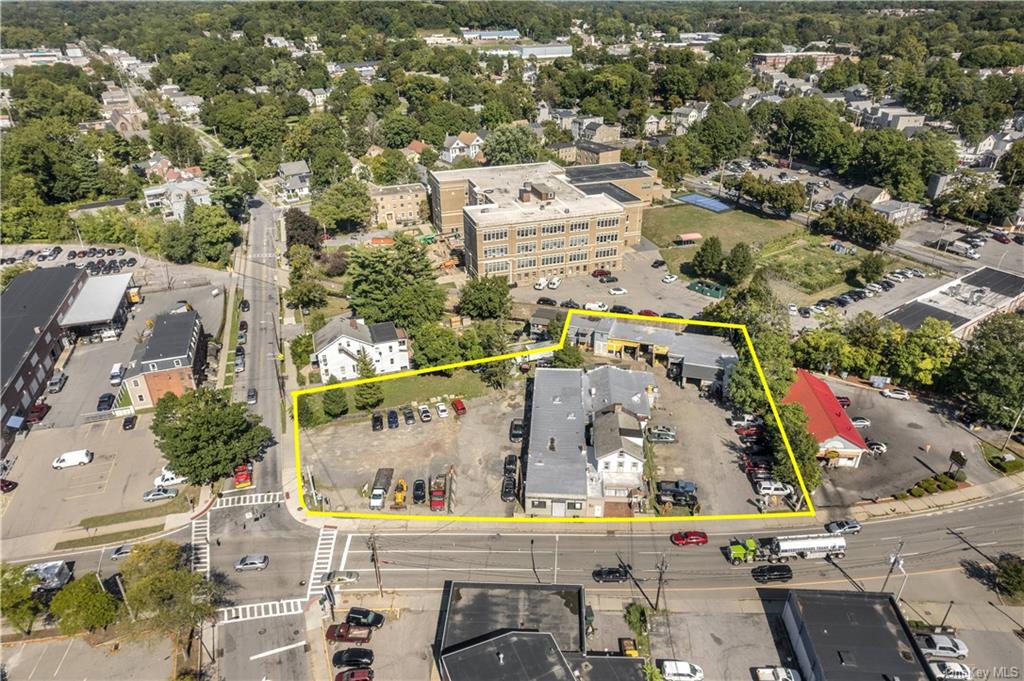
(810, 512)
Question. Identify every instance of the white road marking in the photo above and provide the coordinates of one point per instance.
(962, 529)
(63, 657)
(256, 611)
(344, 553)
(275, 651)
(988, 543)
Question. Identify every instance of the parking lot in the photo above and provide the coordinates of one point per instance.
(1009, 257)
(347, 455)
(645, 290)
(402, 645)
(919, 438)
(73, 658)
(125, 464)
(727, 644)
(708, 451)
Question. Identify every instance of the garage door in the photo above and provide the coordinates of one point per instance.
(558, 509)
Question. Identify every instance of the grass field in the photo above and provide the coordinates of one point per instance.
(111, 538)
(178, 504)
(664, 225)
(462, 383)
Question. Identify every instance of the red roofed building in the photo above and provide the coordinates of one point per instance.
(838, 440)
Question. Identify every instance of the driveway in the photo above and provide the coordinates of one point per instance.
(919, 438)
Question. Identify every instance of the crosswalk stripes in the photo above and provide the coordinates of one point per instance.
(249, 499)
(256, 611)
(322, 559)
(201, 545)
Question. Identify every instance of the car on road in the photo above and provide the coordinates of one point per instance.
(243, 305)
(352, 657)
(691, 538)
(861, 422)
(252, 561)
(672, 315)
(419, 491)
(896, 394)
(766, 574)
(392, 419)
(597, 274)
(508, 489)
(555, 282)
(360, 674)
(243, 325)
(621, 309)
(460, 407)
(105, 402)
(251, 396)
(680, 670)
(341, 577)
(549, 302)
(615, 575)
(361, 617)
(596, 307)
(647, 313)
(950, 671)
(843, 401)
(78, 457)
(569, 304)
(617, 291)
(657, 263)
(377, 421)
(442, 411)
(516, 430)
(129, 422)
(241, 338)
(122, 551)
(159, 494)
(843, 526)
(669, 278)
(935, 645)
(424, 413)
(876, 447)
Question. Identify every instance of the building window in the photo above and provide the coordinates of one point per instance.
(608, 222)
(529, 247)
(526, 262)
(606, 465)
(553, 229)
(582, 226)
(538, 503)
(152, 367)
(141, 399)
(579, 240)
(494, 267)
(528, 231)
(552, 244)
(177, 362)
(552, 260)
(495, 251)
(496, 235)
(574, 505)
(578, 256)
(135, 382)
(606, 252)
(607, 238)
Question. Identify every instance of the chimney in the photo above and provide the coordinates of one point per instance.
(524, 192)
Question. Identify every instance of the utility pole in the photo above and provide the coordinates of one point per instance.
(1013, 428)
(893, 559)
(636, 582)
(662, 569)
(120, 587)
(375, 557)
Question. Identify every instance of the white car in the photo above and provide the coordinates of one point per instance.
(817, 309)
(669, 278)
(442, 411)
(168, 477)
(596, 307)
(541, 284)
(677, 670)
(896, 394)
(950, 671)
(860, 422)
(874, 287)
(793, 309)
(876, 447)
(934, 645)
(617, 291)
(773, 488)
(555, 282)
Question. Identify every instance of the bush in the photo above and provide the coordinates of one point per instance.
(300, 378)
(901, 496)
(314, 376)
(942, 479)
(1010, 467)
(947, 486)
(960, 476)
(916, 492)
(929, 485)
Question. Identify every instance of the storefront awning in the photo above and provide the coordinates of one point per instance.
(15, 422)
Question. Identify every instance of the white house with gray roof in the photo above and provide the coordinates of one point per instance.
(585, 444)
(338, 344)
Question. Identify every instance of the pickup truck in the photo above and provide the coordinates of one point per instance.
(347, 633)
(776, 674)
(677, 487)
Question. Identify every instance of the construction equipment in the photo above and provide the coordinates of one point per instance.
(449, 263)
(627, 647)
(400, 491)
(135, 295)
(782, 549)
(437, 493)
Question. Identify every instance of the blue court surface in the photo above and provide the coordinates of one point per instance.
(705, 202)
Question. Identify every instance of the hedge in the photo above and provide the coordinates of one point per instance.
(916, 492)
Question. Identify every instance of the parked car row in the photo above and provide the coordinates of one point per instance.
(357, 628)
(887, 283)
(409, 415)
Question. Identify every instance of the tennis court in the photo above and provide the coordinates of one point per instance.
(705, 202)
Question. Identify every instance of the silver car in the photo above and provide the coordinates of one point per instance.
(252, 562)
(341, 577)
(844, 526)
(122, 551)
(159, 494)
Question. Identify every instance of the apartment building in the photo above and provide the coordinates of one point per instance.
(779, 60)
(537, 219)
(172, 360)
(397, 204)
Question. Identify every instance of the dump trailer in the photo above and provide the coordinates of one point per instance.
(782, 549)
(379, 490)
(437, 493)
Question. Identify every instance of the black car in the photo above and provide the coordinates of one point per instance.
(886, 285)
(129, 422)
(132, 262)
(508, 489)
(621, 309)
(111, 251)
(617, 574)
(509, 468)
(72, 255)
(419, 491)
(244, 305)
(352, 657)
(408, 415)
(658, 263)
(550, 302)
(516, 430)
(766, 574)
(378, 421)
(361, 617)
(571, 304)
(239, 351)
(392, 418)
(106, 402)
(843, 401)
(609, 279)
(672, 315)
(805, 312)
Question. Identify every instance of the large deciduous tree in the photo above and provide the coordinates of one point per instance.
(84, 605)
(990, 369)
(301, 228)
(485, 298)
(343, 207)
(395, 283)
(707, 261)
(435, 345)
(805, 448)
(17, 603)
(509, 145)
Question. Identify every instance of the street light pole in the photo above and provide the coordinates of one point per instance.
(893, 558)
(1013, 428)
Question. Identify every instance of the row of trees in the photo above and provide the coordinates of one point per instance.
(710, 261)
(856, 223)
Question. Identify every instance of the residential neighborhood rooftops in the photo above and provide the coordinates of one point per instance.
(381, 332)
(293, 168)
(558, 422)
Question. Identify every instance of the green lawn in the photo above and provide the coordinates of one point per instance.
(111, 538)
(664, 225)
(463, 383)
(808, 264)
(178, 504)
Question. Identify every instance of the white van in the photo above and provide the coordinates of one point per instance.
(79, 457)
(116, 374)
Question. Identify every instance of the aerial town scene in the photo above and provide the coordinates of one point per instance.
(512, 341)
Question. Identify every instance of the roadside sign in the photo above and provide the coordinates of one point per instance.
(958, 458)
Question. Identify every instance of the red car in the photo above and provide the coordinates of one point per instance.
(597, 274)
(7, 485)
(687, 538)
(459, 407)
(748, 431)
(37, 413)
(1001, 238)
(843, 401)
(364, 674)
(647, 313)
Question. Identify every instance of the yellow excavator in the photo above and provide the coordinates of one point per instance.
(400, 491)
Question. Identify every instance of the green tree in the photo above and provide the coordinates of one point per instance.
(872, 266)
(494, 114)
(17, 604)
(265, 131)
(311, 411)
(486, 298)
(390, 168)
(805, 449)
(396, 130)
(301, 349)
(395, 283)
(204, 435)
(739, 264)
(926, 354)
(367, 395)
(707, 261)
(725, 131)
(1011, 166)
(1010, 575)
(509, 145)
(822, 349)
(859, 224)
(344, 206)
(84, 605)
(800, 67)
(215, 233)
(163, 592)
(990, 370)
(1002, 202)
(746, 391)
(335, 401)
(435, 345)
(177, 142)
(568, 357)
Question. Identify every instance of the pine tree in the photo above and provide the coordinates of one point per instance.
(368, 395)
(707, 261)
(335, 401)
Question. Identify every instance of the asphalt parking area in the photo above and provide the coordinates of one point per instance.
(919, 439)
(402, 651)
(124, 466)
(473, 445)
(73, 658)
(708, 451)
